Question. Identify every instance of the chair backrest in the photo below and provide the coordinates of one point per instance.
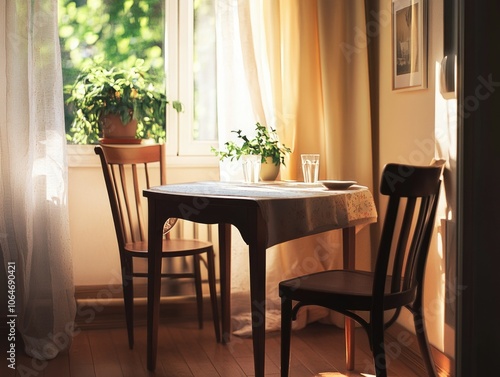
(128, 170)
(408, 226)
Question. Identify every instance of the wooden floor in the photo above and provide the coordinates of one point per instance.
(317, 350)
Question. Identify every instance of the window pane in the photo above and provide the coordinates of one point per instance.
(119, 31)
(204, 72)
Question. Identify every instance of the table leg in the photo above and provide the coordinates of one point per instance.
(225, 279)
(154, 285)
(349, 248)
(258, 304)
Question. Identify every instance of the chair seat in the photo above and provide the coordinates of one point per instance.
(170, 248)
(341, 289)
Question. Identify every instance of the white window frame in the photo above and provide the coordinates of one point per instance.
(179, 73)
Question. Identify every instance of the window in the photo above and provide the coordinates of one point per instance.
(192, 75)
(174, 37)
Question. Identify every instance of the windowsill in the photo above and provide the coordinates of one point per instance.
(84, 156)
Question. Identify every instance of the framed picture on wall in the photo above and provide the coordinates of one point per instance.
(409, 44)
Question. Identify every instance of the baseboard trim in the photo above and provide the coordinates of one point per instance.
(99, 307)
(410, 352)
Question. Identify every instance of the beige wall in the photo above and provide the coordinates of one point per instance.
(407, 123)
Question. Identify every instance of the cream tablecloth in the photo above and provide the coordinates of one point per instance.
(301, 209)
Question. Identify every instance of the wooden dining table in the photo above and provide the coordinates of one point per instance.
(265, 214)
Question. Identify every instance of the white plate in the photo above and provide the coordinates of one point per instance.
(337, 185)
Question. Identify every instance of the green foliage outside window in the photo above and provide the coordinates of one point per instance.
(117, 31)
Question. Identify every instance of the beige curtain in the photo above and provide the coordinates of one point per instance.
(306, 69)
(319, 71)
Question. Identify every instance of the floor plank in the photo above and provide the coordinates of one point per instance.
(81, 363)
(130, 360)
(104, 354)
(185, 351)
(59, 366)
(187, 340)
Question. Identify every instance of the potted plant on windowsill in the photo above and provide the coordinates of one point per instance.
(108, 101)
(265, 143)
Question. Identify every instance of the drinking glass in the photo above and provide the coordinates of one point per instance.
(251, 167)
(310, 167)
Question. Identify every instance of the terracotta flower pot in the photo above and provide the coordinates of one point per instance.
(115, 132)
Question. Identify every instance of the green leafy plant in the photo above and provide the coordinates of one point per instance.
(265, 143)
(102, 89)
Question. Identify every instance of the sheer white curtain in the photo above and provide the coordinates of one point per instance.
(244, 99)
(246, 95)
(281, 63)
(34, 229)
(234, 95)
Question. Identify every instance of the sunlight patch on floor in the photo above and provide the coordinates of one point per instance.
(338, 374)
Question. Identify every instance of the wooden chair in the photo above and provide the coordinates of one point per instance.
(399, 271)
(124, 167)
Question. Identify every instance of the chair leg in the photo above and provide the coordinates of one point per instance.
(213, 294)
(286, 333)
(199, 293)
(423, 342)
(377, 342)
(128, 297)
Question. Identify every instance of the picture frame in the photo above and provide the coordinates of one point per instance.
(409, 44)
